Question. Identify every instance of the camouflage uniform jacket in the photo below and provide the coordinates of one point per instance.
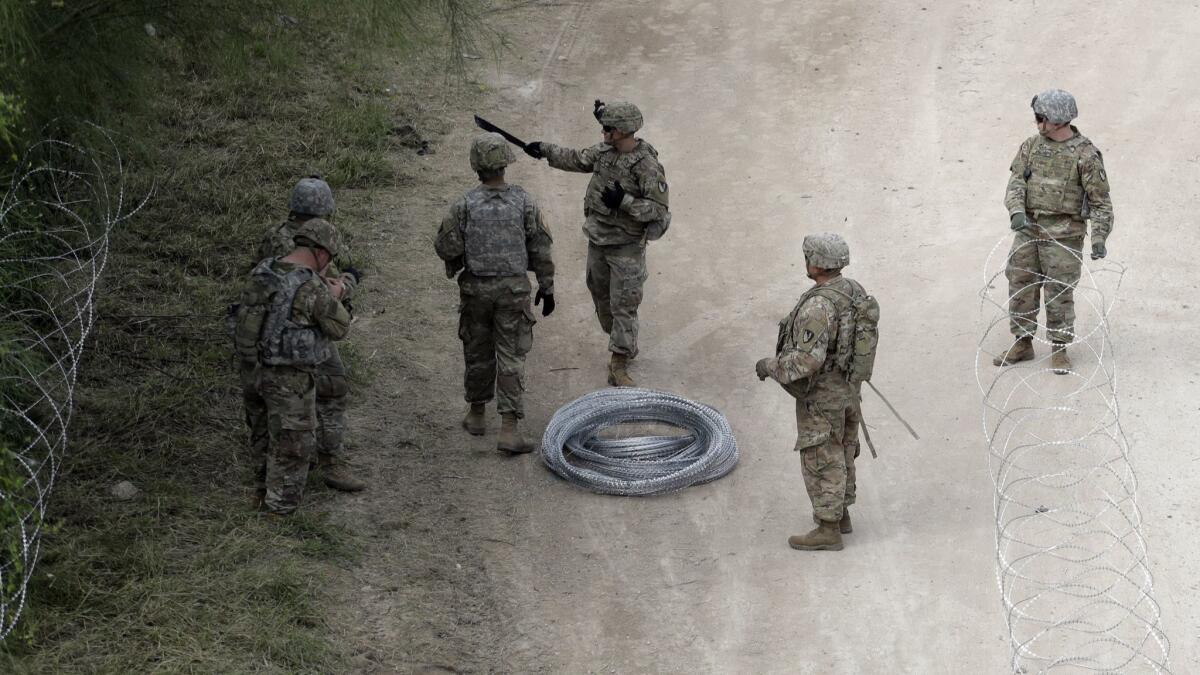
(1060, 185)
(804, 362)
(639, 173)
(279, 241)
(451, 244)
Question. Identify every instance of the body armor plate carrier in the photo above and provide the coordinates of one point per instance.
(494, 233)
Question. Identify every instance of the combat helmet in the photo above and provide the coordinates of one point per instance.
(319, 233)
(826, 250)
(490, 152)
(620, 115)
(311, 196)
(1055, 105)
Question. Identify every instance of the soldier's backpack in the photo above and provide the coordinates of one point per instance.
(262, 325)
(858, 330)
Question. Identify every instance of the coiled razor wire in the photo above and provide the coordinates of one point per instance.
(55, 222)
(1071, 561)
(575, 449)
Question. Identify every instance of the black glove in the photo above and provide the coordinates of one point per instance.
(597, 108)
(548, 308)
(1019, 221)
(613, 195)
(1098, 250)
(534, 150)
(353, 271)
(760, 369)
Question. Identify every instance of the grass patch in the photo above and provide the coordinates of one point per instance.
(221, 116)
(190, 583)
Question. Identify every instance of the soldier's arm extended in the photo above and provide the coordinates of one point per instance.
(537, 245)
(1095, 186)
(316, 304)
(1014, 196)
(568, 159)
(804, 353)
(449, 243)
(655, 199)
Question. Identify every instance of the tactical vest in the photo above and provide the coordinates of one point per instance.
(614, 167)
(265, 330)
(852, 351)
(1052, 180)
(493, 230)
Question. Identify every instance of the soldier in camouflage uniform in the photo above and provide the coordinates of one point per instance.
(494, 234)
(827, 415)
(287, 320)
(1056, 184)
(312, 198)
(624, 207)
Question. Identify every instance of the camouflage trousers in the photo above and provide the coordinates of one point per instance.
(291, 419)
(615, 276)
(827, 441)
(332, 393)
(496, 329)
(1047, 267)
(333, 390)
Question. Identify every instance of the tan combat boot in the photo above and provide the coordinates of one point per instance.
(1021, 350)
(844, 526)
(618, 376)
(826, 537)
(475, 423)
(1059, 361)
(510, 439)
(337, 477)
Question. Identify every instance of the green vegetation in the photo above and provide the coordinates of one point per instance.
(217, 108)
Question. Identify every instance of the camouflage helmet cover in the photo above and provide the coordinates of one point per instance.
(826, 250)
(311, 196)
(320, 233)
(620, 115)
(1055, 105)
(490, 152)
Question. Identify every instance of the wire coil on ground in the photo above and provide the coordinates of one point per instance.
(645, 465)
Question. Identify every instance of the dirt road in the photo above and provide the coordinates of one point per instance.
(892, 123)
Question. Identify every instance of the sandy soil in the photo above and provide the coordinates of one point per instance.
(892, 123)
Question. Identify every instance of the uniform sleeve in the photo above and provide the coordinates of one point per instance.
(1014, 196)
(580, 161)
(1095, 185)
(348, 283)
(804, 351)
(449, 243)
(267, 248)
(315, 305)
(537, 245)
(654, 197)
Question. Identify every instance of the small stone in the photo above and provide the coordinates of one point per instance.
(150, 30)
(124, 491)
